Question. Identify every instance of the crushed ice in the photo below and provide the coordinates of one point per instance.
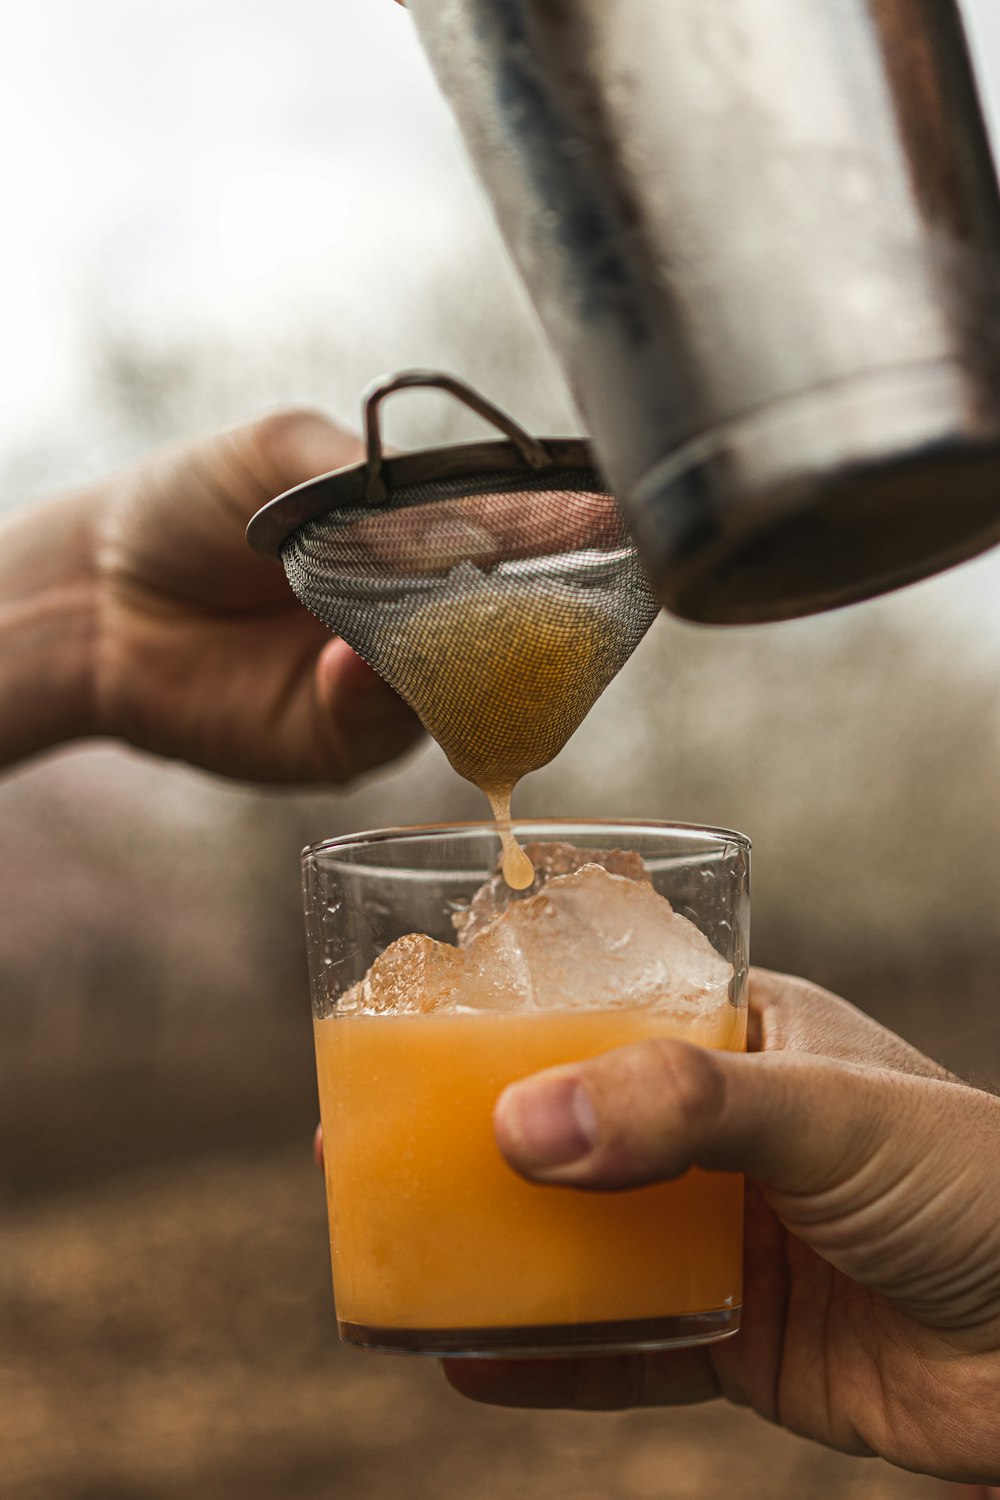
(584, 935)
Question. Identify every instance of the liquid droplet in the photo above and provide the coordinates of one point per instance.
(518, 871)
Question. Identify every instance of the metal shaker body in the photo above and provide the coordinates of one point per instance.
(763, 237)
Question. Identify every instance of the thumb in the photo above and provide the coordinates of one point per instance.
(655, 1108)
(851, 1158)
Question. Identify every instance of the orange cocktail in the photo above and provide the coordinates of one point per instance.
(437, 1245)
(431, 1230)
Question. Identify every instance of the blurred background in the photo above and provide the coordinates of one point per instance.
(213, 210)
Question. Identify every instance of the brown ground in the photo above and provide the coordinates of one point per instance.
(169, 1334)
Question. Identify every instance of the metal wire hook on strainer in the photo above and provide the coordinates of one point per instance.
(492, 584)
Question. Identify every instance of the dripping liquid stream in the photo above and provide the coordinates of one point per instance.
(518, 871)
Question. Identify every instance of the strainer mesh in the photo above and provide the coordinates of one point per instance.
(499, 607)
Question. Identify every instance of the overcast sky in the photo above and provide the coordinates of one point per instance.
(230, 171)
(203, 166)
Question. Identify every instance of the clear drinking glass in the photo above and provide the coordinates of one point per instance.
(438, 1247)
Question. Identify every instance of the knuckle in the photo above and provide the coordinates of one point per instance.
(683, 1082)
(289, 445)
(788, 991)
(285, 430)
(792, 1014)
(657, 1102)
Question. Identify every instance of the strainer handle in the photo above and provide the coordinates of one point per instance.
(531, 450)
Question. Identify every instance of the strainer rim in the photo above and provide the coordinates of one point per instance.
(345, 488)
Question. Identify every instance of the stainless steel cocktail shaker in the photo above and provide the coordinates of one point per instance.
(763, 237)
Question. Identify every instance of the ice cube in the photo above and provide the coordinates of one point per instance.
(549, 860)
(592, 939)
(498, 970)
(413, 974)
(588, 939)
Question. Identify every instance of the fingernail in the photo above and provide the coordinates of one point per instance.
(547, 1122)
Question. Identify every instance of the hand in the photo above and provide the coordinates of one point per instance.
(872, 1300)
(137, 611)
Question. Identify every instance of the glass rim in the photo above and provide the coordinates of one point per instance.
(523, 828)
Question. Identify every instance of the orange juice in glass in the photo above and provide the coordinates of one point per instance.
(437, 1245)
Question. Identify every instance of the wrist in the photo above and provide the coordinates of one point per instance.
(48, 620)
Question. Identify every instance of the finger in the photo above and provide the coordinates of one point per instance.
(791, 1015)
(177, 520)
(283, 449)
(649, 1111)
(365, 721)
(318, 1147)
(878, 1172)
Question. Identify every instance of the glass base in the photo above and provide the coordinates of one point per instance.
(547, 1340)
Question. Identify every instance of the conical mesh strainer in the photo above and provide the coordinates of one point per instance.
(492, 584)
